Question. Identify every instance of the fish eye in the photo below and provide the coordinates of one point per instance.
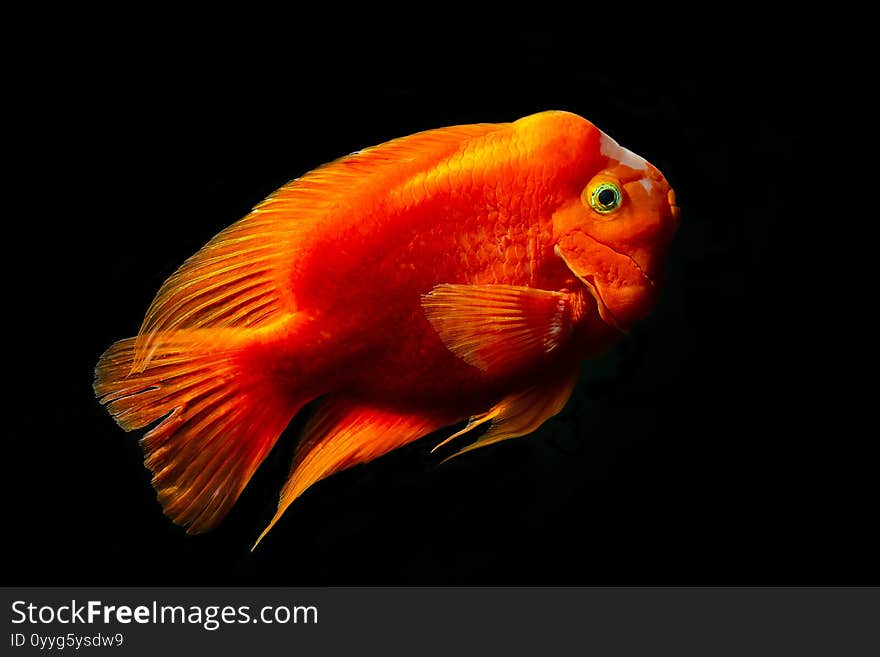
(605, 197)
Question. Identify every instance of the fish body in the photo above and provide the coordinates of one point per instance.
(460, 273)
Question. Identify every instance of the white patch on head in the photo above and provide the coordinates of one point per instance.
(610, 148)
(647, 184)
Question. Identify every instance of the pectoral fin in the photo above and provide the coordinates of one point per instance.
(491, 326)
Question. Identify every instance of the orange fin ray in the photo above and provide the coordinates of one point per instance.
(222, 286)
(216, 423)
(343, 433)
(242, 277)
(519, 414)
(490, 326)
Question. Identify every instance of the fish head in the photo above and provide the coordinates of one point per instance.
(613, 230)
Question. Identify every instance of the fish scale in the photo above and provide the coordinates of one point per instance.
(456, 274)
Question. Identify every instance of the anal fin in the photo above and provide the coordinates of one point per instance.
(345, 432)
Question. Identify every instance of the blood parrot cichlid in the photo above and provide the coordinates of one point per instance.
(459, 273)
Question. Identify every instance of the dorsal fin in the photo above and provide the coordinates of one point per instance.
(242, 277)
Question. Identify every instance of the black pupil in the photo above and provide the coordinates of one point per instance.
(606, 196)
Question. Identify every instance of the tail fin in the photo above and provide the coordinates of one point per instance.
(219, 419)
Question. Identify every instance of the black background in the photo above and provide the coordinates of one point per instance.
(701, 450)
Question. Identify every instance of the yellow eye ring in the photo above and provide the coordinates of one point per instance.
(605, 197)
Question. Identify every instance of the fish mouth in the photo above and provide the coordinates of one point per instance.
(590, 283)
(674, 210)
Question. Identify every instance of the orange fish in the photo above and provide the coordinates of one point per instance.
(459, 273)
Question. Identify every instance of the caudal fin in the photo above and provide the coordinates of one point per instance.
(218, 419)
